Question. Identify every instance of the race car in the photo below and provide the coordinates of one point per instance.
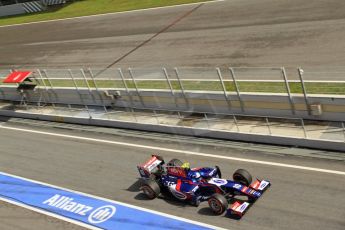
(195, 185)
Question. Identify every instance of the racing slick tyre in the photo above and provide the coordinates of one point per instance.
(151, 189)
(218, 204)
(175, 162)
(242, 176)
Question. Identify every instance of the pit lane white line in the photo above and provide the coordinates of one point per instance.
(180, 151)
(96, 197)
(121, 12)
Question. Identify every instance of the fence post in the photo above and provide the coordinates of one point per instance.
(80, 95)
(224, 88)
(136, 86)
(74, 82)
(51, 86)
(86, 82)
(97, 89)
(41, 77)
(342, 123)
(206, 118)
(93, 79)
(125, 84)
(300, 74)
(133, 80)
(181, 86)
(123, 79)
(168, 81)
(304, 129)
(170, 85)
(288, 90)
(232, 73)
(45, 87)
(50, 83)
(133, 114)
(268, 126)
(235, 121)
(156, 116)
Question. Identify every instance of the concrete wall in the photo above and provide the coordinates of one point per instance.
(333, 108)
(9, 10)
(258, 138)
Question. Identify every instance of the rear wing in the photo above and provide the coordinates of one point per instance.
(150, 166)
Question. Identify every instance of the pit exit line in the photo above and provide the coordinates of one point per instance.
(180, 151)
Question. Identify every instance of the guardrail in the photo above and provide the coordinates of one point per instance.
(236, 79)
(195, 101)
(233, 83)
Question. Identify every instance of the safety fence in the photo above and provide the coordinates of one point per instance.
(239, 80)
(227, 81)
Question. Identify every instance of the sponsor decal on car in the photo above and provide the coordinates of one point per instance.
(263, 185)
(242, 207)
(218, 182)
(179, 195)
(237, 186)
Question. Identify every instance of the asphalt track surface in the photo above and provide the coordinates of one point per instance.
(289, 33)
(298, 199)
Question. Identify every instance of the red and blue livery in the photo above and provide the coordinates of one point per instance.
(195, 185)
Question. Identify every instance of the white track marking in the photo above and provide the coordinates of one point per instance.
(95, 197)
(180, 151)
(121, 12)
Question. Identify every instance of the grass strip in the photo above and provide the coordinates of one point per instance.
(79, 8)
(254, 87)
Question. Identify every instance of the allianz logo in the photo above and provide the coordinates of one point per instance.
(95, 216)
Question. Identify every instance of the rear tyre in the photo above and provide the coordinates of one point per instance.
(218, 204)
(151, 189)
(174, 162)
(242, 176)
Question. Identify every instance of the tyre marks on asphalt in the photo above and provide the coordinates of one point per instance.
(173, 23)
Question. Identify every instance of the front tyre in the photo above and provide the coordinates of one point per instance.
(242, 176)
(218, 204)
(151, 189)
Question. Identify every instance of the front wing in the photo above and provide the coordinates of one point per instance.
(239, 207)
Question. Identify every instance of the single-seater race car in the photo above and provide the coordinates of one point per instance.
(195, 185)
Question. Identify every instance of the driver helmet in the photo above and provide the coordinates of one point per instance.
(195, 176)
(185, 165)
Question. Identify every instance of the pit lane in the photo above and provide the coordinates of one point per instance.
(297, 198)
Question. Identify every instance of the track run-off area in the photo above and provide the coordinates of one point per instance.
(306, 192)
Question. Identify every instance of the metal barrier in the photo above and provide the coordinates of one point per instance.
(228, 81)
(239, 80)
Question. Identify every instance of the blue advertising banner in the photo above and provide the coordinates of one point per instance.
(90, 210)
